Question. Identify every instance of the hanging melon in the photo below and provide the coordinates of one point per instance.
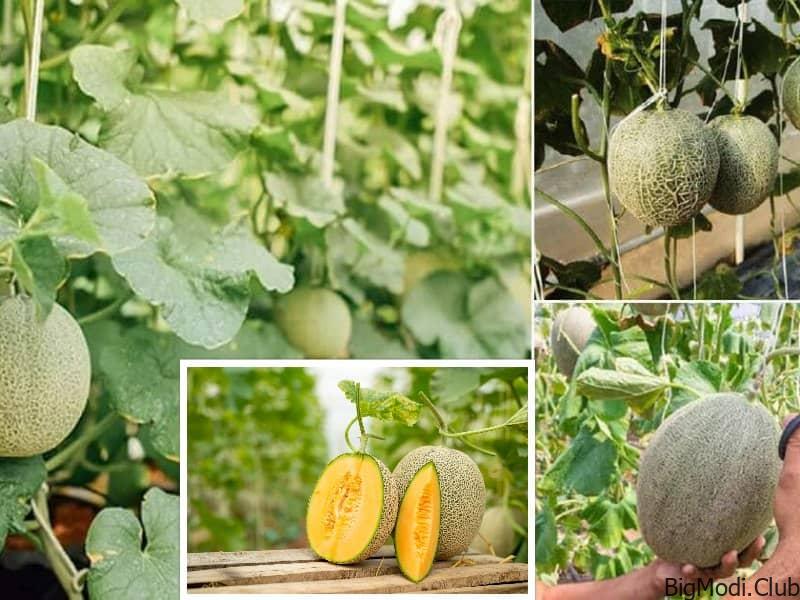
(497, 533)
(663, 166)
(791, 93)
(569, 335)
(352, 509)
(316, 321)
(707, 480)
(748, 163)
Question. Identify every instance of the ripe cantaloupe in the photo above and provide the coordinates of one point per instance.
(461, 494)
(316, 321)
(707, 480)
(352, 510)
(663, 166)
(497, 530)
(748, 163)
(416, 536)
(45, 374)
(791, 93)
(569, 335)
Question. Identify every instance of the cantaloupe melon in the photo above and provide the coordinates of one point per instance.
(569, 335)
(655, 309)
(748, 163)
(45, 374)
(663, 166)
(497, 533)
(791, 93)
(352, 510)
(462, 495)
(316, 321)
(707, 480)
(416, 536)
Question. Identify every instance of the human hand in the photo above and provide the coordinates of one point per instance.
(787, 496)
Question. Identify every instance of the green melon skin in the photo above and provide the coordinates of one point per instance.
(663, 166)
(496, 529)
(316, 321)
(707, 480)
(45, 374)
(463, 494)
(391, 503)
(569, 335)
(748, 163)
(791, 93)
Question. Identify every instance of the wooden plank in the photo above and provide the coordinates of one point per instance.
(502, 588)
(311, 571)
(440, 579)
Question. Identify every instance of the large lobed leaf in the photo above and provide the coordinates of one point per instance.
(20, 478)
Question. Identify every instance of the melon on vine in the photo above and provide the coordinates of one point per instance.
(497, 533)
(791, 93)
(316, 321)
(663, 166)
(707, 480)
(45, 374)
(569, 335)
(748, 163)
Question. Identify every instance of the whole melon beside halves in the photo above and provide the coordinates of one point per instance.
(791, 93)
(316, 321)
(442, 502)
(569, 335)
(496, 529)
(707, 480)
(663, 166)
(45, 374)
(748, 163)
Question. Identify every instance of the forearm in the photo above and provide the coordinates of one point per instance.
(773, 580)
(638, 585)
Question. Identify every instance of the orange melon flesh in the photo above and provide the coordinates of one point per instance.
(416, 534)
(345, 508)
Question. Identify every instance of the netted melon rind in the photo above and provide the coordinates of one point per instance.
(663, 166)
(707, 480)
(791, 93)
(748, 165)
(45, 374)
(463, 494)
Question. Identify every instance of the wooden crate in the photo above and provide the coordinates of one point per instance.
(300, 572)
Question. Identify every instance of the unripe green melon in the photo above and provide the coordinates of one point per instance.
(316, 321)
(45, 374)
(707, 480)
(655, 309)
(748, 163)
(663, 166)
(496, 529)
(791, 93)
(571, 330)
(463, 494)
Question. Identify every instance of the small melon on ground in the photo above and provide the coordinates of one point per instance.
(707, 480)
(663, 166)
(316, 321)
(352, 510)
(569, 335)
(498, 531)
(748, 163)
(443, 497)
(791, 93)
(45, 374)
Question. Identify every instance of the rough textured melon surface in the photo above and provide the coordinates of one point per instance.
(45, 374)
(463, 494)
(707, 480)
(352, 510)
(568, 337)
(497, 530)
(316, 321)
(791, 93)
(663, 166)
(748, 163)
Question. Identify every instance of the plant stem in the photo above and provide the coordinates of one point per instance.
(34, 60)
(104, 312)
(63, 568)
(347, 435)
(87, 437)
(334, 86)
(615, 257)
(604, 252)
(443, 429)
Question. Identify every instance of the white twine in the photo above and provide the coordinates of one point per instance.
(35, 57)
(783, 256)
(334, 85)
(717, 98)
(694, 260)
(662, 66)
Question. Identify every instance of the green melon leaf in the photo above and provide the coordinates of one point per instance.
(156, 131)
(386, 406)
(587, 467)
(366, 341)
(607, 384)
(20, 479)
(566, 15)
(212, 10)
(85, 198)
(200, 275)
(306, 197)
(546, 538)
(452, 384)
(40, 269)
(121, 568)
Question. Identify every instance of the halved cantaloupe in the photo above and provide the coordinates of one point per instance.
(352, 510)
(416, 536)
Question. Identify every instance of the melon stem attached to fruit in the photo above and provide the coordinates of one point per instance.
(445, 430)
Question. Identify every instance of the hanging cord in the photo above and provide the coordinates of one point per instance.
(694, 260)
(32, 91)
(731, 45)
(662, 63)
(334, 85)
(538, 288)
(783, 256)
(448, 28)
